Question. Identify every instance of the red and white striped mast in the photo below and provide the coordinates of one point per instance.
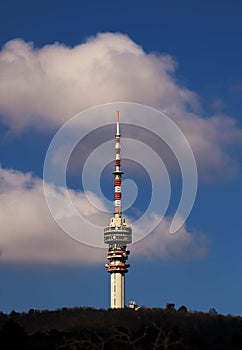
(117, 173)
(117, 235)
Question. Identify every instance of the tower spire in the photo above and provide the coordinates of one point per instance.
(117, 123)
(117, 173)
(117, 235)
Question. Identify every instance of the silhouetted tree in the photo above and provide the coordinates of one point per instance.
(213, 312)
(12, 335)
(182, 308)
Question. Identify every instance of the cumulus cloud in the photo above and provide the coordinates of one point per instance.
(30, 234)
(162, 245)
(55, 82)
(44, 87)
(212, 141)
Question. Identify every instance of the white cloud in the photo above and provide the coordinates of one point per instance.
(44, 87)
(55, 82)
(160, 244)
(28, 231)
(212, 141)
(30, 235)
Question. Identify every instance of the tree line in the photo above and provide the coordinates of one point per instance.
(145, 328)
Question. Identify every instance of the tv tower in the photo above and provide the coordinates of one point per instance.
(117, 235)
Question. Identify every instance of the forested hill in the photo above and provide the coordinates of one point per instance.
(151, 329)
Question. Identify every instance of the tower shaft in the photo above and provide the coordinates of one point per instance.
(117, 291)
(117, 235)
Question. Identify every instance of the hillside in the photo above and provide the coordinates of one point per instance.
(151, 329)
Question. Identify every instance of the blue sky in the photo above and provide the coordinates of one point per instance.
(191, 48)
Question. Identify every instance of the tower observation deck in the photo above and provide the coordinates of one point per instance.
(117, 235)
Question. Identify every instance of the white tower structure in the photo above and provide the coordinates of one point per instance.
(117, 235)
